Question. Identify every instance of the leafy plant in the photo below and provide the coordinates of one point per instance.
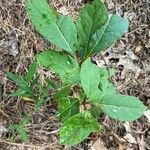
(20, 128)
(29, 87)
(26, 83)
(83, 83)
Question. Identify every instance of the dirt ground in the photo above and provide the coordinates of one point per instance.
(19, 43)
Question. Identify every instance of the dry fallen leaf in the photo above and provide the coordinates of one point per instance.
(127, 126)
(130, 138)
(110, 4)
(63, 10)
(147, 115)
(2, 130)
(98, 145)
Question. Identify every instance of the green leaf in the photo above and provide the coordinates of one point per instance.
(43, 95)
(58, 29)
(25, 119)
(18, 80)
(63, 92)
(39, 103)
(65, 66)
(13, 127)
(52, 84)
(95, 111)
(94, 81)
(34, 82)
(18, 93)
(23, 134)
(31, 72)
(115, 27)
(92, 17)
(77, 128)
(67, 107)
(122, 107)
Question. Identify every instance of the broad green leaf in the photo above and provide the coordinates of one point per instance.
(31, 72)
(58, 29)
(67, 107)
(65, 66)
(77, 128)
(122, 107)
(115, 27)
(94, 81)
(92, 17)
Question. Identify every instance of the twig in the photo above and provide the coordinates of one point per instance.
(19, 144)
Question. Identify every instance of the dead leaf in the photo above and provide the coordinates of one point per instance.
(63, 10)
(10, 46)
(110, 4)
(141, 143)
(127, 126)
(147, 115)
(98, 145)
(130, 138)
(2, 130)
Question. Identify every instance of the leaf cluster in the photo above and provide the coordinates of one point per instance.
(20, 128)
(29, 87)
(85, 90)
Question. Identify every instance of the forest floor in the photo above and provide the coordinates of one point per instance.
(130, 57)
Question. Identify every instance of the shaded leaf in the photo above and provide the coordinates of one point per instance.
(67, 107)
(95, 111)
(31, 72)
(34, 82)
(92, 17)
(65, 66)
(13, 127)
(52, 84)
(62, 93)
(115, 27)
(18, 80)
(18, 93)
(58, 29)
(25, 119)
(39, 103)
(77, 128)
(43, 95)
(23, 134)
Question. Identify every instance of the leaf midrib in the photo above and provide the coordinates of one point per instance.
(111, 105)
(68, 107)
(38, 11)
(101, 35)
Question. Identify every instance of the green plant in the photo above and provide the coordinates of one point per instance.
(85, 89)
(30, 88)
(26, 83)
(20, 128)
